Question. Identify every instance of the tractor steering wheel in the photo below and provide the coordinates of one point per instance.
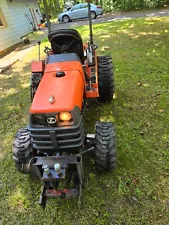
(60, 46)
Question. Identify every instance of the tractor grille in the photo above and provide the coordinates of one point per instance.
(58, 139)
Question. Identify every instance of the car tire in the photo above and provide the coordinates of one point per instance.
(93, 15)
(66, 19)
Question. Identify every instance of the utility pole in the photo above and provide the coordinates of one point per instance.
(47, 14)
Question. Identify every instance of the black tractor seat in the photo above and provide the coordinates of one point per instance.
(66, 41)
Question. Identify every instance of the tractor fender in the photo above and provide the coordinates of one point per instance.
(37, 66)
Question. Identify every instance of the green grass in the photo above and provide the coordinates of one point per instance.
(137, 192)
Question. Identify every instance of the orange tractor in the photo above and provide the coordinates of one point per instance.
(52, 145)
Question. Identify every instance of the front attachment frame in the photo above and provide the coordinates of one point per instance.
(70, 167)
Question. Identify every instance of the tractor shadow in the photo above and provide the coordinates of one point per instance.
(97, 111)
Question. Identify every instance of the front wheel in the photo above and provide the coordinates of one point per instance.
(22, 150)
(105, 149)
(66, 19)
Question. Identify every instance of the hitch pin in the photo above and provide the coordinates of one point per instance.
(47, 170)
(57, 168)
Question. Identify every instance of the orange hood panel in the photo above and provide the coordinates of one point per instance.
(67, 90)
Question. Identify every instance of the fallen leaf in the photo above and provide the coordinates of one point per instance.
(146, 85)
(139, 84)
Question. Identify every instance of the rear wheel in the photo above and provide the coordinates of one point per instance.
(66, 19)
(105, 77)
(105, 149)
(93, 15)
(22, 150)
(35, 81)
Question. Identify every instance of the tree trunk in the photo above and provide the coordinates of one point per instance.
(141, 4)
(47, 14)
(101, 2)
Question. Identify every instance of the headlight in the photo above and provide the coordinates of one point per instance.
(38, 119)
(60, 119)
(65, 116)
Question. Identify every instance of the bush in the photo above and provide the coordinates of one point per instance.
(110, 5)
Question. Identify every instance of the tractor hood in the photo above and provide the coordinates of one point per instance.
(60, 89)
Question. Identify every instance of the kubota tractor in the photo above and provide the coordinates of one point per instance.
(53, 143)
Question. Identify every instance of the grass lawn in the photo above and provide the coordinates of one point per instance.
(33, 36)
(137, 192)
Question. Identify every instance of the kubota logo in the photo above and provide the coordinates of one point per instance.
(51, 120)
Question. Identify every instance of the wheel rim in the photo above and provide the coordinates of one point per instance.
(65, 19)
(93, 15)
